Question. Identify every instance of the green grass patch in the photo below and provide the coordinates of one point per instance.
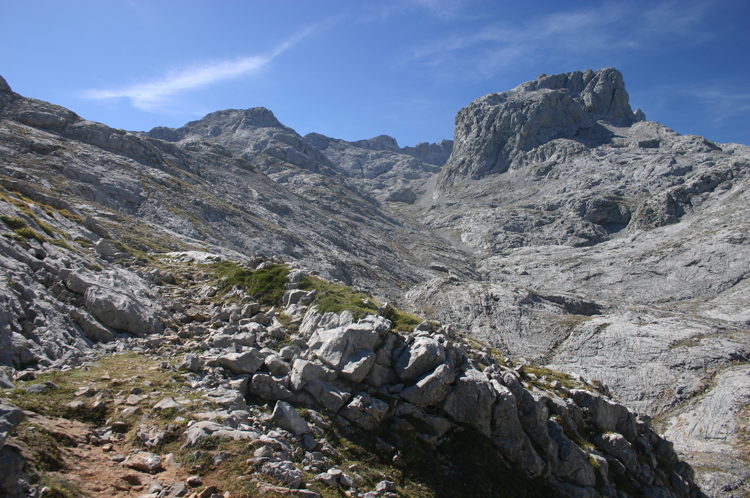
(266, 285)
(566, 380)
(125, 371)
(63, 244)
(83, 242)
(12, 222)
(402, 320)
(337, 298)
(28, 233)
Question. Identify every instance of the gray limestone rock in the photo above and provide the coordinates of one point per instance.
(6, 381)
(610, 247)
(10, 417)
(421, 356)
(470, 401)
(328, 395)
(365, 411)
(431, 388)
(606, 415)
(11, 464)
(144, 461)
(347, 349)
(494, 132)
(199, 430)
(572, 463)
(242, 363)
(287, 418)
(508, 435)
(616, 445)
(169, 403)
(191, 362)
(304, 371)
(284, 471)
(269, 387)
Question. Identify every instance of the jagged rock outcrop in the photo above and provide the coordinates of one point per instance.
(496, 132)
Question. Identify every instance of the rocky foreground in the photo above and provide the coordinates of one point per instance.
(143, 416)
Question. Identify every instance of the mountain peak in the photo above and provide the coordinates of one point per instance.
(494, 133)
(381, 142)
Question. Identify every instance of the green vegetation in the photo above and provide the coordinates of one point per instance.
(337, 298)
(124, 370)
(13, 223)
(266, 285)
(402, 320)
(28, 233)
(566, 380)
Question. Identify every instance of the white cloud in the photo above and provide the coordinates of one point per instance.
(720, 102)
(157, 94)
(601, 31)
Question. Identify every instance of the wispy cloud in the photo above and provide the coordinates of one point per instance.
(601, 31)
(720, 102)
(157, 94)
(726, 104)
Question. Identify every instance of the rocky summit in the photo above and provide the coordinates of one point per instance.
(555, 303)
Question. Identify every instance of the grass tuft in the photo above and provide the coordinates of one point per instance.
(266, 285)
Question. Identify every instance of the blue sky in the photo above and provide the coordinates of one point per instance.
(356, 69)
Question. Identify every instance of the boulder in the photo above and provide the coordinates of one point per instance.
(293, 296)
(304, 371)
(358, 366)
(420, 357)
(268, 387)
(431, 388)
(10, 417)
(6, 382)
(381, 375)
(328, 395)
(365, 411)
(242, 363)
(283, 471)
(349, 349)
(285, 416)
(144, 461)
(199, 430)
(11, 464)
(470, 401)
(508, 435)
(168, 403)
(191, 362)
(607, 415)
(276, 365)
(337, 346)
(120, 311)
(572, 463)
(223, 341)
(106, 248)
(617, 446)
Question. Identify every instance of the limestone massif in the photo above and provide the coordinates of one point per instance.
(559, 227)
